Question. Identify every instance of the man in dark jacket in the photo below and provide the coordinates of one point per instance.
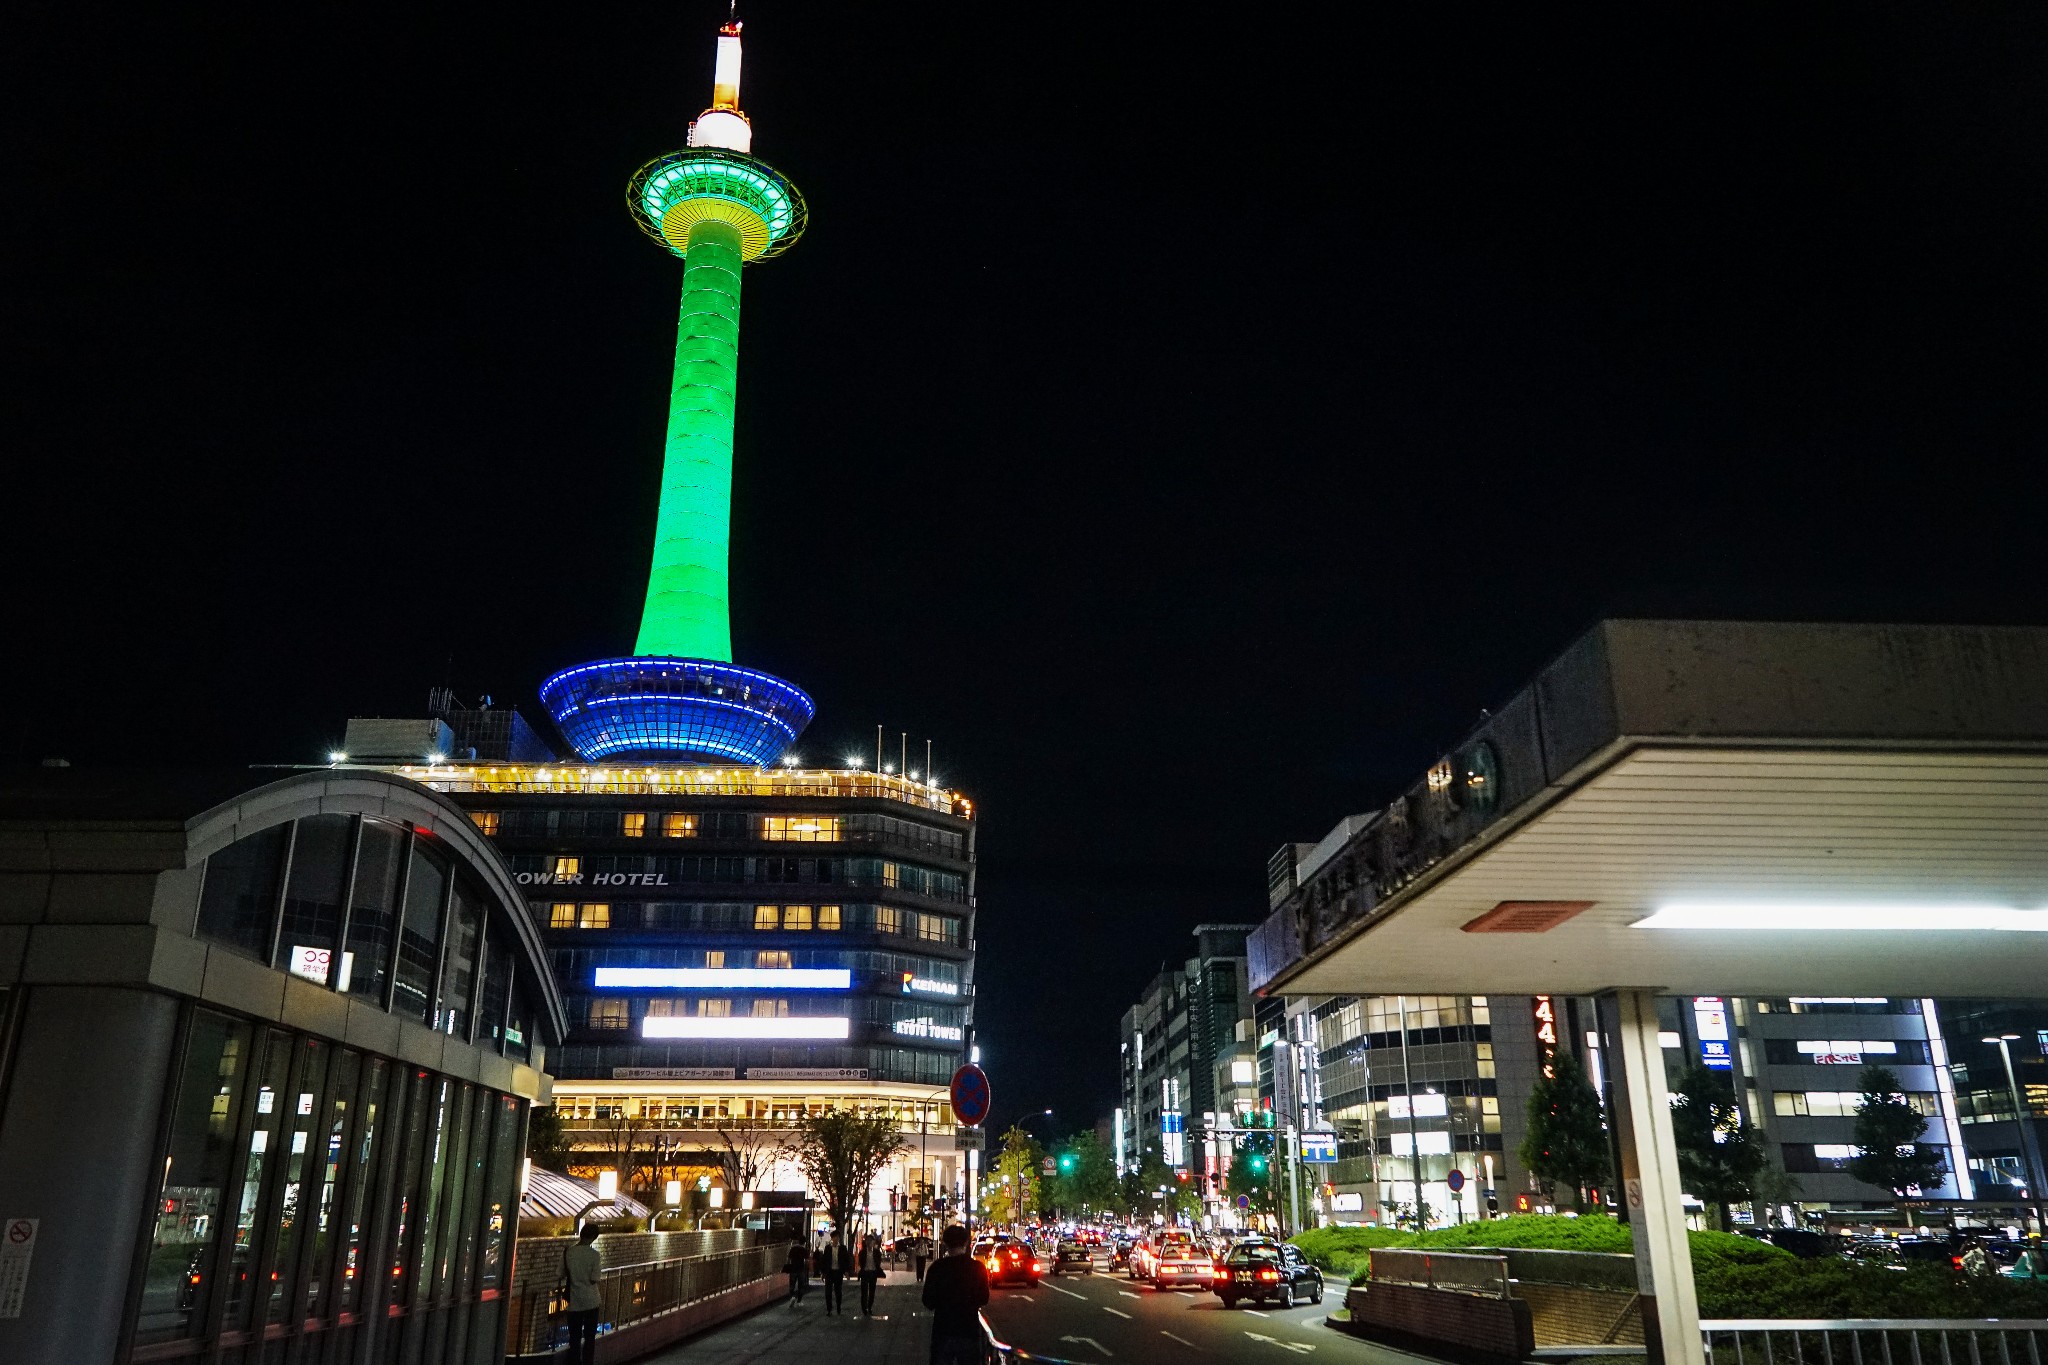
(956, 1289)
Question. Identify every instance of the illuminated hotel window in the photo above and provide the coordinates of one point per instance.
(796, 916)
(772, 959)
(828, 917)
(562, 915)
(610, 1013)
(635, 823)
(714, 1009)
(771, 1009)
(767, 917)
(938, 929)
(807, 829)
(714, 957)
(485, 820)
(568, 868)
(662, 1007)
(593, 917)
(679, 824)
(892, 875)
(888, 920)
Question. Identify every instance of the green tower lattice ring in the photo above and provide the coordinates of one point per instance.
(672, 193)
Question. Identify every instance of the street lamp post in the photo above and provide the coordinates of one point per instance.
(2030, 1157)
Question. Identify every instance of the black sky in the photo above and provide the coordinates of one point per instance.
(1186, 420)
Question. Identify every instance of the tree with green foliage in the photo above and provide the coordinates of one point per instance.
(546, 1141)
(1719, 1152)
(841, 1152)
(1567, 1139)
(1086, 1182)
(1010, 1189)
(1889, 1153)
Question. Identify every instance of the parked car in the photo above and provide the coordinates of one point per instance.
(1801, 1242)
(1262, 1271)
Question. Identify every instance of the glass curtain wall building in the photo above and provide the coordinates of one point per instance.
(327, 1005)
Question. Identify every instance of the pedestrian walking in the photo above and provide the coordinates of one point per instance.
(798, 1268)
(917, 1256)
(870, 1267)
(956, 1290)
(580, 1266)
(832, 1264)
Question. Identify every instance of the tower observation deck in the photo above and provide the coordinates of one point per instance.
(720, 208)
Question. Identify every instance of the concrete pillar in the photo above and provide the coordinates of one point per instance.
(1649, 1178)
(77, 1150)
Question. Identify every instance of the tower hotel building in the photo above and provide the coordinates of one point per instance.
(738, 939)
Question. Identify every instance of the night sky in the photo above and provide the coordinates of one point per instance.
(1186, 423)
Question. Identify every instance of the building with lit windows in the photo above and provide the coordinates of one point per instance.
(741, 947)
(1193, 1016)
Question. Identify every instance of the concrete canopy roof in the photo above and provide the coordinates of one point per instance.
(1675, 763)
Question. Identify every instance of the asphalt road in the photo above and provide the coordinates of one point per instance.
(1105, 1317)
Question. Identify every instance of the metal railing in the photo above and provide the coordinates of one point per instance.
(999, 1352)
(633, 1294)
(1876, 1341)
(1452, 1271)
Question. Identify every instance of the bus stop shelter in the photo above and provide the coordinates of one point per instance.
(1678, 808)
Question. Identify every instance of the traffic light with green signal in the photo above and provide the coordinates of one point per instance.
(1068, 1161)
(1257, 1163)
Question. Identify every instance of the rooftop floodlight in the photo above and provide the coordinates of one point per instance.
(719, 207)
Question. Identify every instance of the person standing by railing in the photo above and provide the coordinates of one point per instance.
(869, 1265)
(580, 1267)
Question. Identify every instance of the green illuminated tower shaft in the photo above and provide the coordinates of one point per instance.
(719, 207)
(688, 613)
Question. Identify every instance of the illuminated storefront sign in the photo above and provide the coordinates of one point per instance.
(925, 1028)
(1425, 1106)
(741, 1026)
(1710, 1021)
(1546, 1036)
(730, 978)
(929, 985)
(1342, 1202)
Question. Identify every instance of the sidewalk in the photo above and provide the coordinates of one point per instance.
(805, 1335)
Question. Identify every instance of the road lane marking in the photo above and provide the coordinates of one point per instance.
(1092, 1342)
(1256, 1313)
(1026, 1297)
(1129, 1295)
(1182, 1340)
(1068, 1292)
(1125, 1316)
(1300, 1348)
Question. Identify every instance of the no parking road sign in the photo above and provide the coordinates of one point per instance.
(970, 1095)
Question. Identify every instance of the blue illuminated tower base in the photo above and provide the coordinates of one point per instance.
(653, 707)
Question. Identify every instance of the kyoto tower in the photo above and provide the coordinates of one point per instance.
(717, 206)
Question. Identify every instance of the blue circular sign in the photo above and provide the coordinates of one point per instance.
(970, 1095)
(1244, 1201)
(1456, 1181)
